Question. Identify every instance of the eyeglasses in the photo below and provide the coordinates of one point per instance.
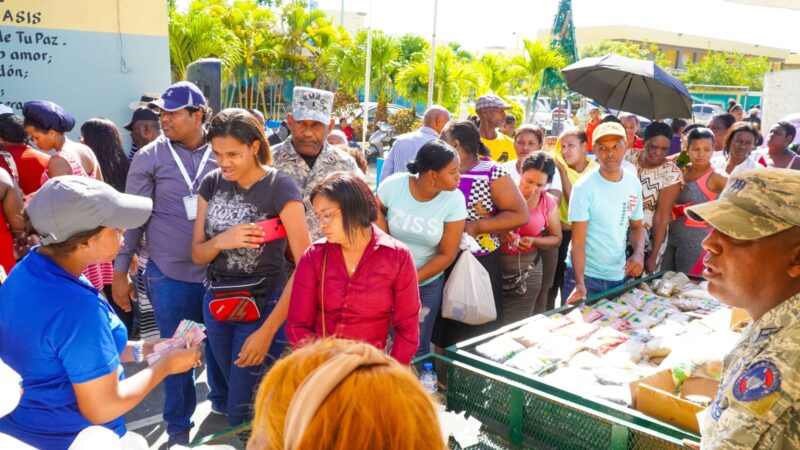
(325, 218)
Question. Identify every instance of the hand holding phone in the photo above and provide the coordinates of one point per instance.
(273, 229)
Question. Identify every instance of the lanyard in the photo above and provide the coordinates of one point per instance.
(189, 182)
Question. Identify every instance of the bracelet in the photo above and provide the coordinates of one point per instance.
(137, 348)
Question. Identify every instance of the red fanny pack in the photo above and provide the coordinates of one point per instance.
(679, 211)
(237, 300)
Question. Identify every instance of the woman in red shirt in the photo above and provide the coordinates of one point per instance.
(357, 282)
(25, 164)
(11, 222)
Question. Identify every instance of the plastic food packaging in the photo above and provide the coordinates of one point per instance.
(604, 340)
(611, 309)
(531, 361)
(591, 315)
(640, 320)
(531, 334)
(500, 348)
(560, 348)
(578, 331)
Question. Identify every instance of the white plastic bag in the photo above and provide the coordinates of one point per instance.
(468, 295)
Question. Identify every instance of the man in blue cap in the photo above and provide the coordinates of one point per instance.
(169, 170)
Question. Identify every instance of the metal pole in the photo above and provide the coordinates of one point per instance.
(367, 77)
(341, 15)
(433, 54)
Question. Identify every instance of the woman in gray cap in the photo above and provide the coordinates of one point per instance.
(59, 334)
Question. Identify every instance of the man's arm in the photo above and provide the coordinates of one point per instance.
(578, 245)
(389, 166)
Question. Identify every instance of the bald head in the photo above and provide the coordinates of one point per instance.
(436, 117)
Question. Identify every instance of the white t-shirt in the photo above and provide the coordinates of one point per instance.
(511, 168)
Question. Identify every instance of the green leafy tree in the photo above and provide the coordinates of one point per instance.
(413, 48)
(536, 58)
(727, 69)
(627, 49)
(498, 73)
(350, 64)
(193, 36)
(454, 79)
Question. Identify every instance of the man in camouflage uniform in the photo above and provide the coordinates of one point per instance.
(753, 263)
(306, 155)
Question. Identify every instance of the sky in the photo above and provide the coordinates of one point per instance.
(478, 24)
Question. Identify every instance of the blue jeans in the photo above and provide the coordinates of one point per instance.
(227, 339)
(172, 302)
(430, 296)
(594, 286)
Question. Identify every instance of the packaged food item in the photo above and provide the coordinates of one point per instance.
(617, 324)
(611, 309)
(639, 320)
(590, 315)
(604, 340)
(640, 335)
(578, 331)
(700, 356)
(531, 333)
(500, 348)
(559, 348)
(666, 288)
(555, 322)
(532, 362)
(585, 360)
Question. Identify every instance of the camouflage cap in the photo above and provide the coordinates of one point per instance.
(755, 203)
(312, 104)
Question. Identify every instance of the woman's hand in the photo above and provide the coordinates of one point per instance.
(508, 237)
(651, 262)
(471, 228)
(244, 235)
(180, 360)
(526, 243)
(255, 348)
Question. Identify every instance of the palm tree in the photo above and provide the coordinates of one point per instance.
(454, 79)
(498, 73)
(197, 35)
(350, 63)
(536, 59)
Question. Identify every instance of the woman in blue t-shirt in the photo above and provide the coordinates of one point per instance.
(56, 330)
(425, 210)
(247, 212)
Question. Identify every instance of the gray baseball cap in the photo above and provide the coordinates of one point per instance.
(69, 205)
(312, 104)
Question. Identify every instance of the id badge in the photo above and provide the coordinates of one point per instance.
(190, 204)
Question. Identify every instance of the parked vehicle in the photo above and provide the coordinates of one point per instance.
(380, 142)
(703, 112)
(372, 109)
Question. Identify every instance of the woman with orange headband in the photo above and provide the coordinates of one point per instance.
(345, 386)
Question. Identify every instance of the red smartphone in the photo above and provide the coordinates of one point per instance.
(273, 229)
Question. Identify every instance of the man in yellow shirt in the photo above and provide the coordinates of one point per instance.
(491, 110)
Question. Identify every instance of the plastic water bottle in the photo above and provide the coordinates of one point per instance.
(428, 378)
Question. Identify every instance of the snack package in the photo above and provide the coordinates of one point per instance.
(578, 331)
(590, 315)
(639, 320)
(531, 333)
(532, 362)
(611, 309)
(559, 348)
(604, 340)
(700, 356)
(617, 324)
(500, 348)
(585, 360)
(555, 322)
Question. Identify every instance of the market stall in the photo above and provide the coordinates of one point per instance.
(647, 355)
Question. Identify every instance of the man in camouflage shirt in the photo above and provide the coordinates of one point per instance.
(753, 263)
(306, 155)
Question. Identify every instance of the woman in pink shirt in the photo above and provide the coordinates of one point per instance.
(358, 282)
(521, 262)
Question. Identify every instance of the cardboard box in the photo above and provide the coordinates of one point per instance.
(655, 396)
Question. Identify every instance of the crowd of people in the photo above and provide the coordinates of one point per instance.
(276, 247)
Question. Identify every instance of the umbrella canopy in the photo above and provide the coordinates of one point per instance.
(632, 85)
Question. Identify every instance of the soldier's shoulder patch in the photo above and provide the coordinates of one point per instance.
(758, 381)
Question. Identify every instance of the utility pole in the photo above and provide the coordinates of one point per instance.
(431, 72)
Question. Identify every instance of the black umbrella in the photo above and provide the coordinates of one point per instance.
(632, 85)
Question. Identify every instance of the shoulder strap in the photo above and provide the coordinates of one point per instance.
(12, 165)
(322, 291)
(702, 183)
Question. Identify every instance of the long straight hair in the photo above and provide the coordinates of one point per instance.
(102, 136)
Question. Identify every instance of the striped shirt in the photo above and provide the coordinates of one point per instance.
(405, 149)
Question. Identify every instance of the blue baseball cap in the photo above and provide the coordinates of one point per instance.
(178, 96)
(49, 115)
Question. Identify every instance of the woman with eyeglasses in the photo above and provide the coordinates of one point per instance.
(701, 184)
(358, 282)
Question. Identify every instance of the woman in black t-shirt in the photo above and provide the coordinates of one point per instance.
(246, 212)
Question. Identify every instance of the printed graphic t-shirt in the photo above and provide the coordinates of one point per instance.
(608, 207)
(419, 225)
(229, 205)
